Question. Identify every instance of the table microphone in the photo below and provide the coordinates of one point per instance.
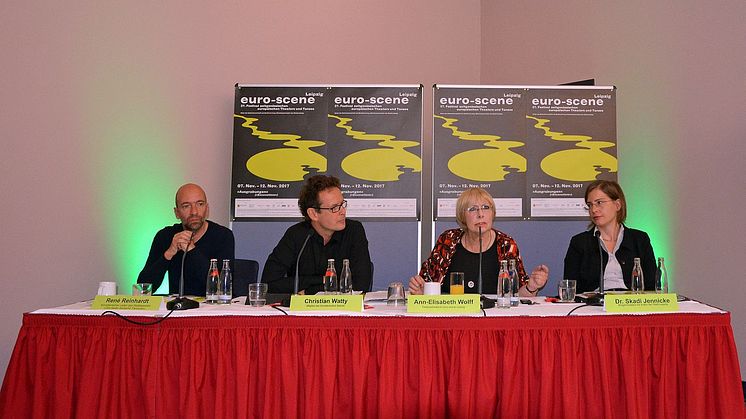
(485, 302)
(181, 303)
(297, 262)
(599, 298)
(284, 299)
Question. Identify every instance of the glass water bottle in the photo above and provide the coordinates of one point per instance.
(211, 287)
(225, 283)
(504, 286)
(331, 285)
(661, 277)
(514, 284)
(638, 282)
(345, 280)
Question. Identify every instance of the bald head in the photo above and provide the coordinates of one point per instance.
(191, 206)
(189, 189)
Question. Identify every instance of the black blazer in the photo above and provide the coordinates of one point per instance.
(582, 259)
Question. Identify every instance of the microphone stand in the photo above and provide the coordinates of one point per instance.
(180, 302)
(284, 299)
(485, 302)
(601, 289)
(598, 299)
(297, 262)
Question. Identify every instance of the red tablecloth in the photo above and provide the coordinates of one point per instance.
(660, 366)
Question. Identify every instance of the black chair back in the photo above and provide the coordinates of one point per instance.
(245, 271)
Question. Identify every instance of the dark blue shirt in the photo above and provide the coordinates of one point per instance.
(216, 243)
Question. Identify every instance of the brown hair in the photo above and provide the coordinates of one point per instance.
(309, 193)
(614, 191)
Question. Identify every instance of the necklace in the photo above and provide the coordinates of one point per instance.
(613, 236)
(474, 243)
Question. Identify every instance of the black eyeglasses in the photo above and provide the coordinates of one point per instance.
(335, 208)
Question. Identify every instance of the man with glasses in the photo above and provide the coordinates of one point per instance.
(327, 234)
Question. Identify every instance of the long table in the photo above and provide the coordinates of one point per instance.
(247, 362)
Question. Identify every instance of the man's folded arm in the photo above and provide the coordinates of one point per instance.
(156, 265)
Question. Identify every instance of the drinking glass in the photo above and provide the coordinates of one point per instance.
(396, 295)
(257, 294)
(142, 289)
(457, 283)
(567, 290)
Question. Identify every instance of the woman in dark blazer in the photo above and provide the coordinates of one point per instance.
(607, 209)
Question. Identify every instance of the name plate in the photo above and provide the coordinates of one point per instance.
(640, 303)
(127, 302)
(443, 304)
(341, 302)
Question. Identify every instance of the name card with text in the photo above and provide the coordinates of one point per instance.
(127, 302)
(640, 303)
(443, 304)
(342, 302)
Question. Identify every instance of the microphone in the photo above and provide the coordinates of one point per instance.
(284, 299)
(484, 301)
(181, 303)
(297, 261)
(599, 298)
(479, 276)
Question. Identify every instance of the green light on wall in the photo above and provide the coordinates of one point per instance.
(141, 205)
(133, 131)
(646, 179)
(134, 166)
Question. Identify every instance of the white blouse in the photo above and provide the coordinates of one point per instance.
(613, 277)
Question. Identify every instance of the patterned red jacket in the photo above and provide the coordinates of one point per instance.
(436, 266)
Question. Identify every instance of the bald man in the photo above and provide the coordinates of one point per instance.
(200, 238)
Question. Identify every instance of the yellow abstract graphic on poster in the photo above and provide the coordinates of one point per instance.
(490, 164)
(580, 164)
(289, 163)
(387, 162)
